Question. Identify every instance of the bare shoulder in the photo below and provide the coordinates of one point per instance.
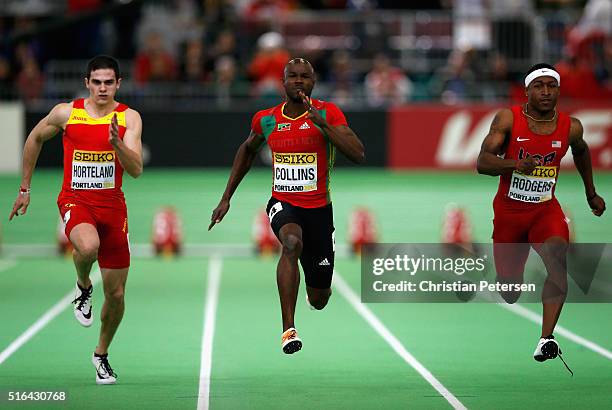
(504, 117)
(505, 112)
(576, 128)
(575, 133)
(132, 115)
(59, 115)
(133, 119)
(502, 122)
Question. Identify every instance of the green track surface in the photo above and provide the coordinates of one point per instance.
(480, 352)
(408, 206)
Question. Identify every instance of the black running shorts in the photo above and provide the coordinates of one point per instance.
(318, 238)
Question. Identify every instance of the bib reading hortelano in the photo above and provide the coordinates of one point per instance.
(93, 169)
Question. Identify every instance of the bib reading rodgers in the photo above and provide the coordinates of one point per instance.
(93, 169)
(295, 172)
(536, 187)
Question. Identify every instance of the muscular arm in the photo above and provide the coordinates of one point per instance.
(242, 164)
(582, 159)
(129, 150)
(346, 141)
(46, 129)
(43, 131)
(489, 162)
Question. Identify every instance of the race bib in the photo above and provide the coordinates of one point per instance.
(295, 172)
(534, 188)
(93, 169)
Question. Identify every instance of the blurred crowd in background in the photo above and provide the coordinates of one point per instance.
(367, 53)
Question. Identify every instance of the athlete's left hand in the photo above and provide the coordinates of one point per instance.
(313, 114)
(597, 204)
(113, 131)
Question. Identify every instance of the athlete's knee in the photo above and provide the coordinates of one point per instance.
(558, 254)
(319, 303)
(510, 297)
(554, 257)
(88, 251)
(115, 296)
(555, 249)
(292, 245)
(319, 299)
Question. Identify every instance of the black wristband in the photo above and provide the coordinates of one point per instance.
(592, 196)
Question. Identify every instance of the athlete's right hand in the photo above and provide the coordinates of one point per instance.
(526, 165)
(219, 212)
(113, 131)
(21, 204)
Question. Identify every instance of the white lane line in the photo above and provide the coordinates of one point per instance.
(560, 330)
(43, 321)
(347, 292)
(210, 311)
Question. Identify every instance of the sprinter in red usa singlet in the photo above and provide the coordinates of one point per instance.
(303, 135)
(524, 147)
(102, 139)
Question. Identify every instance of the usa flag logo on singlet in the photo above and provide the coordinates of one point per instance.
(556, 144)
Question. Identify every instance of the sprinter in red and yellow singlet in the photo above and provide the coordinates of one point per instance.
(102, 139)
(524, 147)
(303, 135)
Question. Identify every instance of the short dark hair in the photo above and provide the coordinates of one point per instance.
(101, 62)
(297, 60)
(539, 66)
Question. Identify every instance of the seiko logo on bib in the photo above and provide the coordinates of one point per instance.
(93, 169)
(89, 156)
(295, 159)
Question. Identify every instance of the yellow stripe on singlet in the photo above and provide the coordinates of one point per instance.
(290, 118)
(80, 116)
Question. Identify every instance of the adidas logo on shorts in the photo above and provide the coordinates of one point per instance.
(324, 262)
(304, 126)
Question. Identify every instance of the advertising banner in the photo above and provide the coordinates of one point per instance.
(449, 137)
